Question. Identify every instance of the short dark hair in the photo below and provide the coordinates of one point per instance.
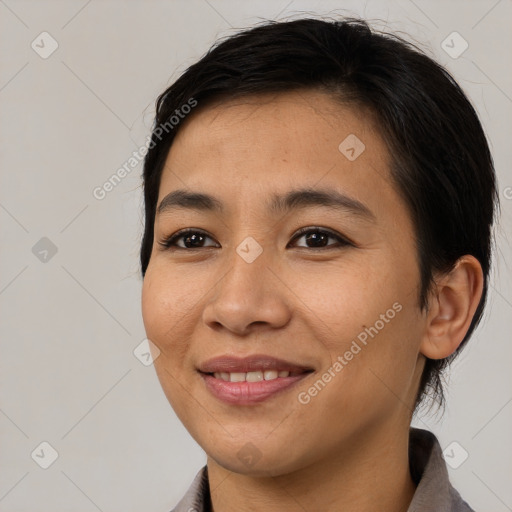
(441, 163)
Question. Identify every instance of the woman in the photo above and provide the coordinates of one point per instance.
(319, 202)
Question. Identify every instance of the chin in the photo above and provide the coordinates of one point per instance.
(261, 468)
(256, 459)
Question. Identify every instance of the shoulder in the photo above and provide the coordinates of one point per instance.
(197, 497)
(429, 471)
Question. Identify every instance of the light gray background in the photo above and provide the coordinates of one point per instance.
(70, 324)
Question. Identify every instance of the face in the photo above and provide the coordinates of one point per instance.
(303, 260)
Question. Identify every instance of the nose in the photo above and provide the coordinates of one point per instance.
(249, 296)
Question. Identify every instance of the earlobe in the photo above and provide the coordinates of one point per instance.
(452, 305)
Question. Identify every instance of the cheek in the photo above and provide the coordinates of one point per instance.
(161, 321)
(161, 313)
(166, 304)
(151, 305)
(342, 300)
(368, 317)
(380, 376)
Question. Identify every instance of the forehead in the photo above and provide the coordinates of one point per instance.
(290, 117)
(268, 144)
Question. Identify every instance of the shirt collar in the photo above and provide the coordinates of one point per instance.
(428, 470)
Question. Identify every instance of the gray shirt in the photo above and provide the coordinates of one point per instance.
(434, 493)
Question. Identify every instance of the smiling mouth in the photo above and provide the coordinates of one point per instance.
(251, 388)
(256, 376)
(251, 379)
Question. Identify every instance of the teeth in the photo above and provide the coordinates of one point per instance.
(237, 377)
(251, 376)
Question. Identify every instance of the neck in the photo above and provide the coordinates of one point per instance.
(372, 473)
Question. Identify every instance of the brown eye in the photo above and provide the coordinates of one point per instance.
(315, 238)
(192, 239)
(318, 238)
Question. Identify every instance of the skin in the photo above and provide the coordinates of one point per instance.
(346, 449)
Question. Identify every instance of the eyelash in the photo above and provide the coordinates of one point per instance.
(169, 242)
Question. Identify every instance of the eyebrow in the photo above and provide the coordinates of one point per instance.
(279, 204)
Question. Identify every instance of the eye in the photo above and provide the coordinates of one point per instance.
(319, 237)
(192, 237)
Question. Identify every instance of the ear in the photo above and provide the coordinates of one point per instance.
(452, 305)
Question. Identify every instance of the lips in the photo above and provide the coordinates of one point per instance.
(254, 363)
(250, 380)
